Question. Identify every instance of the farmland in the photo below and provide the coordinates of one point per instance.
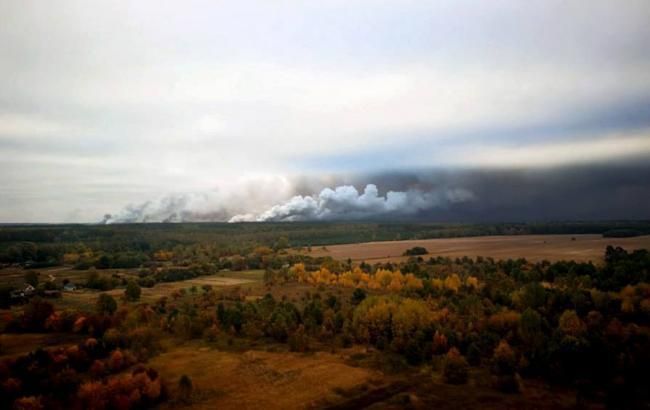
(580, 248)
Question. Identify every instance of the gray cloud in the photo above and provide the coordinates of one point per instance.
(111, 102)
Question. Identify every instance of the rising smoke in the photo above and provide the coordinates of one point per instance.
(218, 205)
(172, 208)
(341, 203)
(345, 203)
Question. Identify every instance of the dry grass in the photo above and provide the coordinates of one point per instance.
(258, 379)
(532, 247)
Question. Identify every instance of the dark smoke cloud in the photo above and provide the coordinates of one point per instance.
(587, 192)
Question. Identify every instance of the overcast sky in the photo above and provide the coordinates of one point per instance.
(236, 106)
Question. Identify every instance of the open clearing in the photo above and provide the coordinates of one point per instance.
(259, 379)
(85, 297)
(532, 247)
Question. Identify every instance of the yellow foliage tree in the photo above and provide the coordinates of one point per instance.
(411, 282)
(452, 282)
(472, 282)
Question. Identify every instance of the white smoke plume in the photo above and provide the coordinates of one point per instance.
(172, 208)
(218, 205)
(345, 203)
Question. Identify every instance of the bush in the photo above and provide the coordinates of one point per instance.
(504, 367)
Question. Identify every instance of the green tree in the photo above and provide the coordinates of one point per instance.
(132, 292)
(358, 296)
(106, 304)
(530, 328)
(533, 295)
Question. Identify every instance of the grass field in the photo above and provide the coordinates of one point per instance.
(532, 247)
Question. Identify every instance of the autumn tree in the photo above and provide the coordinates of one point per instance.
(571, 324)
(36, 313)
(504, 365)
(455, 368)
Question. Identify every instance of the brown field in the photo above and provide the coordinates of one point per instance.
(258, 379)
(532, 247)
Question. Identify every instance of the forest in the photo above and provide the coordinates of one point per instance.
(502, 325)
(129, 245)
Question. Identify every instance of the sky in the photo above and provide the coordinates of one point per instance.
(123, 111)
